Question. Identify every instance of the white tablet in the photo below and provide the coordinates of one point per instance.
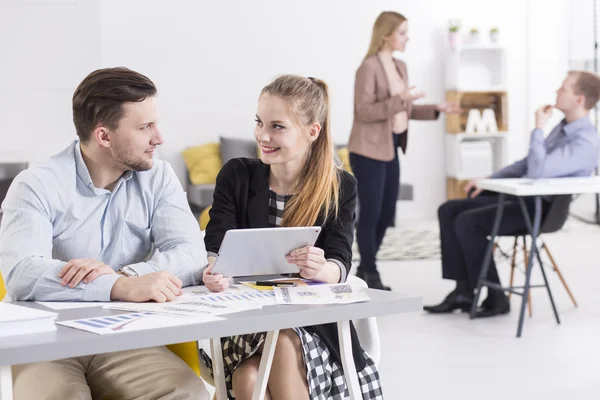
(262, 251)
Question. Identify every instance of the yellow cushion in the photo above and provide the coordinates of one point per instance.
(204, 218)
(203, 163)
(344, 156)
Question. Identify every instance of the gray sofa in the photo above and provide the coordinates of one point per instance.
(201, 196)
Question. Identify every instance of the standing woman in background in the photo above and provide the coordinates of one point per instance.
(382, 108)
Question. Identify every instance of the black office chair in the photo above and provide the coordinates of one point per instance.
(553, 221)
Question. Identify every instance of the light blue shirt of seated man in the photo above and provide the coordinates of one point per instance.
(571, 149)
(53, 214)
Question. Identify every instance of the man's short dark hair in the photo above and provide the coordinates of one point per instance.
(100, 96)
(588, 84)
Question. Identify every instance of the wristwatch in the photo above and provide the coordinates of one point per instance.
(128, 272)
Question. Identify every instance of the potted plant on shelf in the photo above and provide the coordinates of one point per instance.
(494, 35)
(453, 34)
(474, 34)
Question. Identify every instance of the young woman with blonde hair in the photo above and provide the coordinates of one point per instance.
(383, 105)
(296, 182)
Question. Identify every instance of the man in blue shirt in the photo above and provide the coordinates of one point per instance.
(102, 220)
(571, 149)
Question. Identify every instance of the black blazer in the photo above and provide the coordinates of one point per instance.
(241, 201)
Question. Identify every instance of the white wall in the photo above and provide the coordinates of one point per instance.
(211, 59)
(45, 51)
(548, 62)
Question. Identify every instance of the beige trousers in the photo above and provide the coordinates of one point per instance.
(144, 374)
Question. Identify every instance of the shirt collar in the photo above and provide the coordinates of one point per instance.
(82, 170)
(580, 123)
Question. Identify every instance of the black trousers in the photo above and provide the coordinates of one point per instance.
(464, 228)
(378, 185)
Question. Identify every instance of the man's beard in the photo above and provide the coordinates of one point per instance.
(134, 163)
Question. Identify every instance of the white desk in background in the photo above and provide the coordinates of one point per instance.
(521, 188)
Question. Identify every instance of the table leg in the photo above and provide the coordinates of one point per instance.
(534, 232)
(348, 360)
(265, 365)
(218, 368)
(487, 259)
(6, 392)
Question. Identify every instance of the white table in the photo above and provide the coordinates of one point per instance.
(67, 342)
(527, 188)
(541, 187)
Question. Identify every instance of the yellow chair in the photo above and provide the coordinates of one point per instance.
(2, 287)
(188, 352)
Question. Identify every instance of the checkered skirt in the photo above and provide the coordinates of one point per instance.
(325, 376)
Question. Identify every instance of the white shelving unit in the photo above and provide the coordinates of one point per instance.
(473, 72)
(476, 68)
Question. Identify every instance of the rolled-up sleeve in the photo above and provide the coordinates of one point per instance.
(28, 269)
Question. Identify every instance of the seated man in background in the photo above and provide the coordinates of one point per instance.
(82, 226)
(570, 150)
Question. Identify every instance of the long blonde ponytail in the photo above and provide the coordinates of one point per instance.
(318, 183)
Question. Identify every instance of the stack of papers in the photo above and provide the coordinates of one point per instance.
(339, 293)
(201, 301)
(132, 322)
(19, 320)
(190, 307)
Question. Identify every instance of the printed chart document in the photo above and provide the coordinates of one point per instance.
(191, 305)
(187, 308)
(132, 322)
(198, 300)
(65, 305)
(234, 294)
(339, 293)
(237, 288)
(255, 298)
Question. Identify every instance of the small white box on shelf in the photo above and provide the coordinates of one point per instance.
(475, 159)
(474, 155)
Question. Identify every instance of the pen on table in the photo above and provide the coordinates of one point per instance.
(278, 284)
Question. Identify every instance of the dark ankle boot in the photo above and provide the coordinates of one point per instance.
(496, 303)
(374, 281)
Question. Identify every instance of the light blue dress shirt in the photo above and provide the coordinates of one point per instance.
(53, 213)
(570, 150)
